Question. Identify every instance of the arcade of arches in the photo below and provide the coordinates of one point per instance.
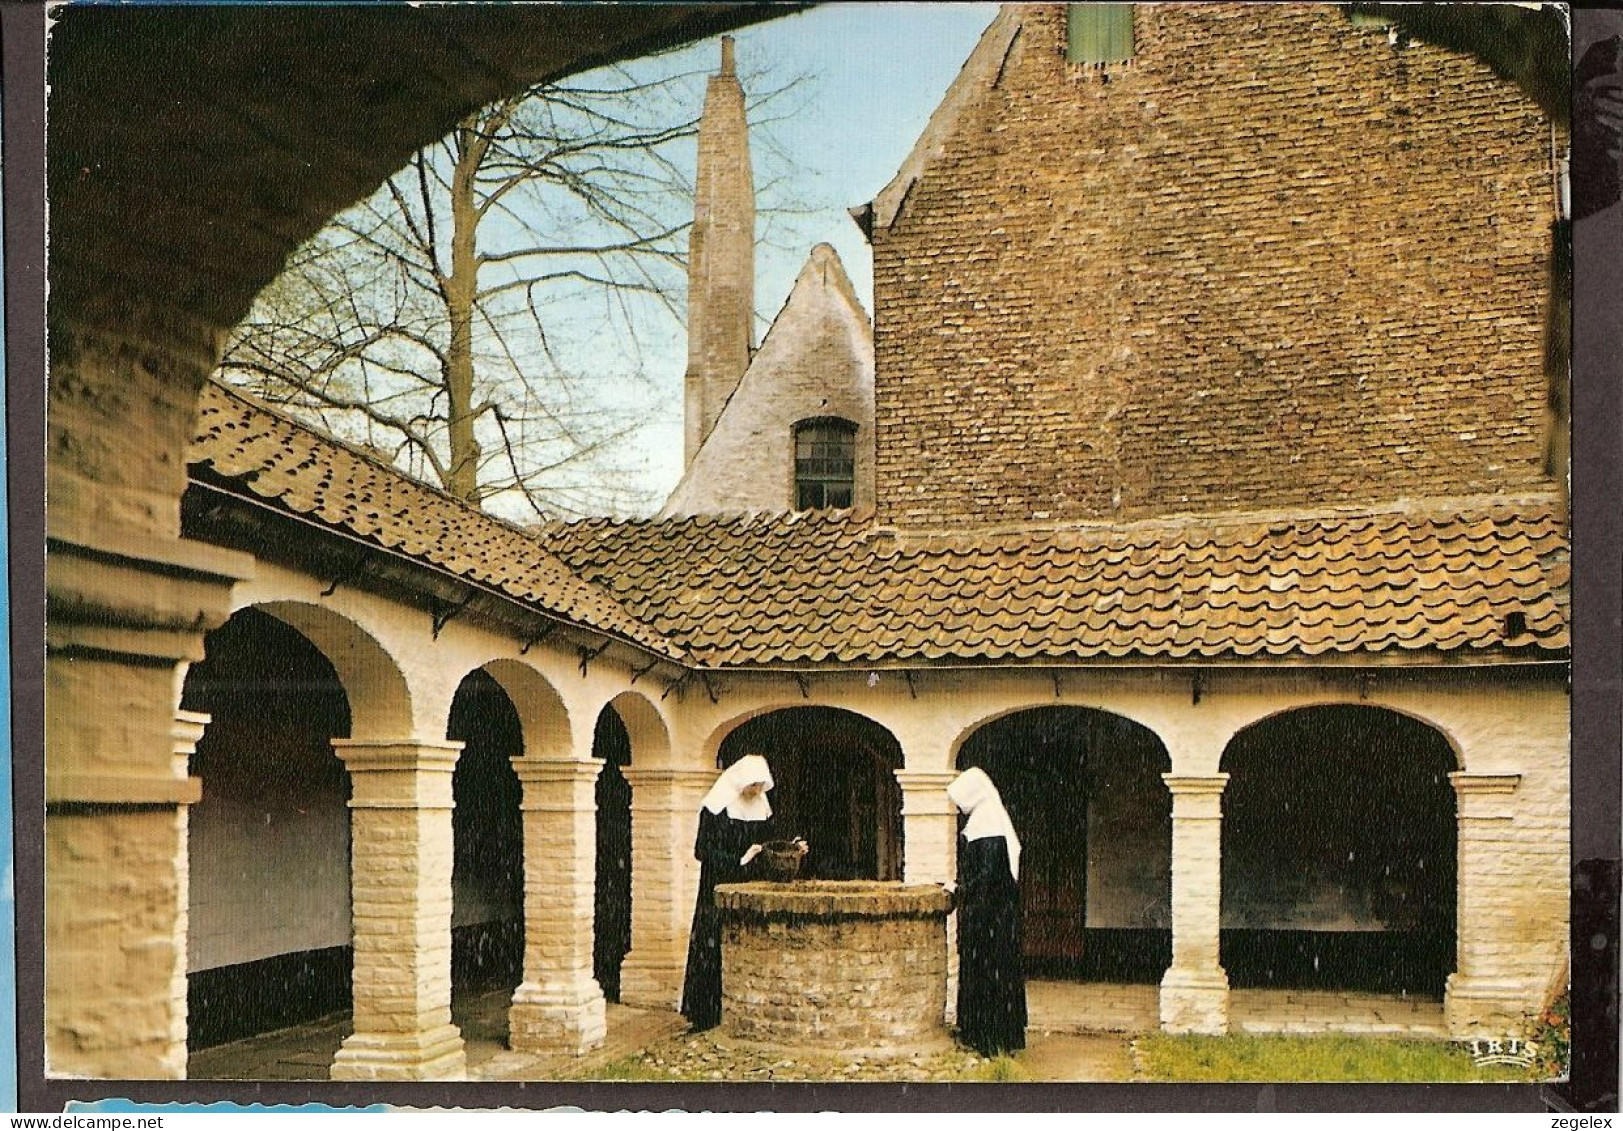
(1338, 848)
(152, 261)
(1340, 842)
(169, 809)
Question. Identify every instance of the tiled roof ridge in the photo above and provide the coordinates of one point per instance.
(369, 455)
(1542, 500)
(1399, 577)
(761, 589)
(630, 627)
(732, 522)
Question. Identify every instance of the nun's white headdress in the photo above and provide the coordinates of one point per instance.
(973, 792)
(728, 791)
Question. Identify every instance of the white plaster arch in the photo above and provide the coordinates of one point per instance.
(969, 730)
(542, 681)
(1350, 700)
(1267, 775)
(380, 699)
(649, 731)
(389, 643)
(710, 748)
(557, 696)
(544, 719)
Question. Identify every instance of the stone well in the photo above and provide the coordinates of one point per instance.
(836, 966)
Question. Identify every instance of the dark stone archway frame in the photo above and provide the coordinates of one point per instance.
(189, 151)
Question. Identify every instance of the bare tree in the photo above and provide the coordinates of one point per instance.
(479, 318)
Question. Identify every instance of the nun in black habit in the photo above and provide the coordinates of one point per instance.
(991, 979)
(734, 822)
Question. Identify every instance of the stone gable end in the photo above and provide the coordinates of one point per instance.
(816, 361)
(1276, 259)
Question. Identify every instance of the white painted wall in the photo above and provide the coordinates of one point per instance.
(269, 850)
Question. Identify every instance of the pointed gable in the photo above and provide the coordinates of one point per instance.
(816, 363)
(979, 72)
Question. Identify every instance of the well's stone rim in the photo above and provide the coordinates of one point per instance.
(856, 899)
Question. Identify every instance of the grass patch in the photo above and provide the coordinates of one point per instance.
(1260, 1058)
(1001, 1069)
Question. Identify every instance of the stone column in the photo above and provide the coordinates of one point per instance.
(1489, 992)
(929, 827)
(125, 608)
(400, 867)
(664, 882)
(127, 600)
(930, 850)
(187, 732)
(559, 1005)
(1195, 990)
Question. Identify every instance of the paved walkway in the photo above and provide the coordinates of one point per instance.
(1333, 1011)
(629, 1032)
(1097, 1007)
(1078, 1031)
(305, 1052)
(1091, 1007)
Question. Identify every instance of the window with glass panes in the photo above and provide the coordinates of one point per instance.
(825, 463)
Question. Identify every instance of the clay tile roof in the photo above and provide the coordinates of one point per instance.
(1459, 576)
(258, 452)
(834, 586)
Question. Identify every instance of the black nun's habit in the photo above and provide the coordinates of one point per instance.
(991, 979)
(732, 827)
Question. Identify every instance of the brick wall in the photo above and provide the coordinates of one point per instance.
(1274, 260)
(721, 257)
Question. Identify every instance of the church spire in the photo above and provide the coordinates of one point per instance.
(721, 255)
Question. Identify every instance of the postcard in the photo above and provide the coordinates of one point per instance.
(631, 550)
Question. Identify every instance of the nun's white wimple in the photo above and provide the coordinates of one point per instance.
(973, 792)
(727, 793)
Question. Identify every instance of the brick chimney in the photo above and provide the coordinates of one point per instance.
(721, 255)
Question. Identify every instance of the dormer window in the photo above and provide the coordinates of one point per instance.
(825, 463)
(1096, 34)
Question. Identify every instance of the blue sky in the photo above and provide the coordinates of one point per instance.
(878, 71)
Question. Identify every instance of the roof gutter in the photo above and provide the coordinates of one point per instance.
(1345, 661)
